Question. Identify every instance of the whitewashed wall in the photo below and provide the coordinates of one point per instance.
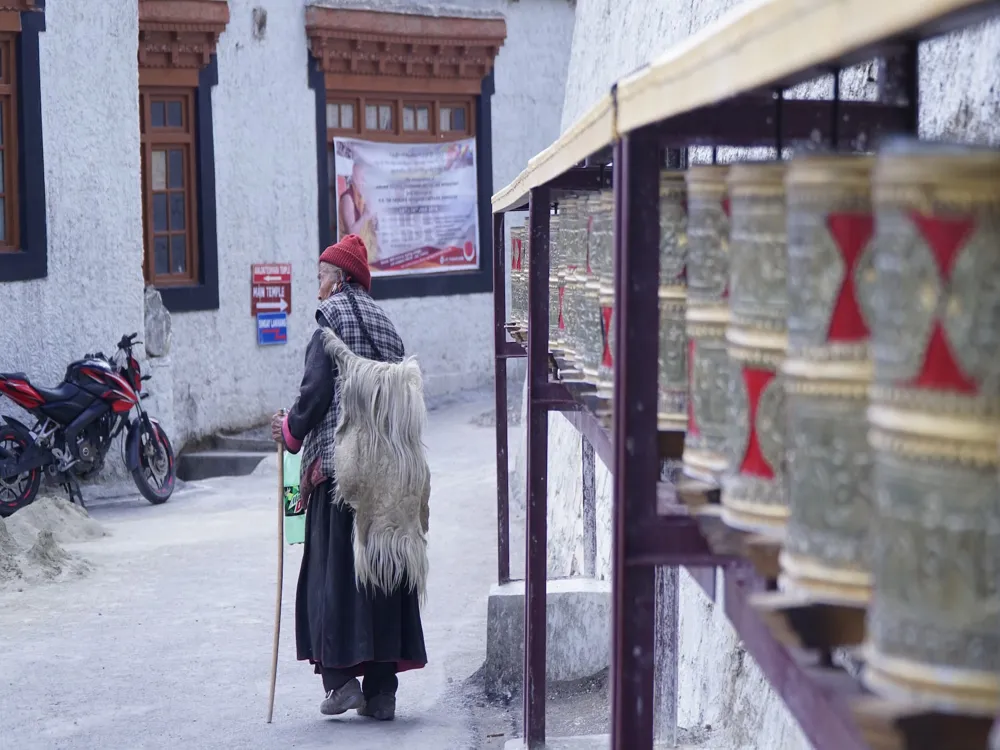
(216, 377)
(720, 684)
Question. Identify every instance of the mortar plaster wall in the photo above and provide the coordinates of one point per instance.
(216, 377)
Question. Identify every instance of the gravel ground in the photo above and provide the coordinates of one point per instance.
(167, 643)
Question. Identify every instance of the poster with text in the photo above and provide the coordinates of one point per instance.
(414, 204)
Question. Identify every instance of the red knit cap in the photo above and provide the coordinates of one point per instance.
(351, 256)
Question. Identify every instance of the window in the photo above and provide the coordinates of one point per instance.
(453, 119)
(9, 188)
(340, 116)
(417, 118)
(23, 233)
(169, 186)
(379, 116)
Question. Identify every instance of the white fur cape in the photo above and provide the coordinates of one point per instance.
(381, 467)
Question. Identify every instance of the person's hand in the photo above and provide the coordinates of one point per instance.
(276, 423)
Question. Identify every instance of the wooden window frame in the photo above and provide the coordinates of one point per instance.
(415, 58)
(398, 101)
(10, 189)
(177, 44)
(151, 139)
(24, 250)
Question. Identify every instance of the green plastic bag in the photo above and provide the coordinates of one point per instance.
(295, 509)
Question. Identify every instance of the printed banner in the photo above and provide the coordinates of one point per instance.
(414, 204)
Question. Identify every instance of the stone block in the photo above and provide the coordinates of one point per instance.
(157, 321)
(578, 633)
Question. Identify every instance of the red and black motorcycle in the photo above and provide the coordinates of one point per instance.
(76, 423)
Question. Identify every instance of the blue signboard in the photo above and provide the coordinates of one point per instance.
(272, 328)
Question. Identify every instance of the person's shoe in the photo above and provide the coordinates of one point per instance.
(381, 707)
(344, 698)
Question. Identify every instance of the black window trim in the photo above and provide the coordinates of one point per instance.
(479, 281)
(205, 294)
(31, 262)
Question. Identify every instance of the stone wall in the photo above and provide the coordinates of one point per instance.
(719, 684)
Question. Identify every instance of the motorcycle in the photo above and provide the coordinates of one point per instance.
(75, 425)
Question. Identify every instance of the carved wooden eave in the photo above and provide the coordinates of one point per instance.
(18, 6)
(180, 33)
(355, 46)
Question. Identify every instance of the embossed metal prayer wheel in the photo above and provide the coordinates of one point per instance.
(558, 237)
(517, 282)
(572, 292)
(524, 253)
(584, 322)
(671, 404)
(604, 268)
(827, 372)
(753, 491)
(934, 421)
(706, 317)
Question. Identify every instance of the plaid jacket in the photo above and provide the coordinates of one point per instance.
(351, 314)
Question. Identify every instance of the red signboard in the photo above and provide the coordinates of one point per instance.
(270, 288)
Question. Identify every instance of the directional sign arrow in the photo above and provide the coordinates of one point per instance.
(282, 305)
(274, 278)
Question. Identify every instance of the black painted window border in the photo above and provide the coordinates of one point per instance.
(479, 281)
(205, 294)
(31, 262)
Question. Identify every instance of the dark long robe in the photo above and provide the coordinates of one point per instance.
(338, 625)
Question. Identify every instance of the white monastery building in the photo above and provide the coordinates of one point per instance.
(153, 151)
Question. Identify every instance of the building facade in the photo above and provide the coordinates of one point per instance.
(154, 149)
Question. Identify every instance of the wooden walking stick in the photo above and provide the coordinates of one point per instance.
(281, 575)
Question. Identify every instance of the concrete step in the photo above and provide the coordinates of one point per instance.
(217, 463)
(243, 443)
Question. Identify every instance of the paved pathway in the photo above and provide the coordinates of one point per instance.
(168, 643)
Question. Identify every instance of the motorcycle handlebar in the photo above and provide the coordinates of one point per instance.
(128, 341)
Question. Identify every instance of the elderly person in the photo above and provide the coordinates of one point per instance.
(346, 631)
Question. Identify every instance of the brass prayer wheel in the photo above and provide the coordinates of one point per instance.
(934, 421)
(573, 288)
(753, 491)
(524, 247)
(827, 374)
(598, 259)
(518, 281)
(557, 250)
(603, 266)
(671, 404)
(706, 317)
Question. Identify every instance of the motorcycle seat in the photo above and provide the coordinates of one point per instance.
(14, 376)
(61, 392)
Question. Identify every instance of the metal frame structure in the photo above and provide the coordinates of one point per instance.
(815, 693)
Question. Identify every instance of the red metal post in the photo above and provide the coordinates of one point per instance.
(538, 456)
(636, 470)
(500, 383)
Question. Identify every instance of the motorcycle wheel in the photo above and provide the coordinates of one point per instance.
(156, 473)
(21, 489)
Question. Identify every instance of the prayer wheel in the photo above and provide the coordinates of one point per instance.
(586, 332)
(524, 254)
(572, 292)
(671, 405)
(827, 374)
(706, 317)
(517, 282)
(934, 422)
(753, 491)
(604, 266)
(558, 232)
(598, 256)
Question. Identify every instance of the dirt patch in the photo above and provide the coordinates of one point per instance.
(31, 541)
(67, 522)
